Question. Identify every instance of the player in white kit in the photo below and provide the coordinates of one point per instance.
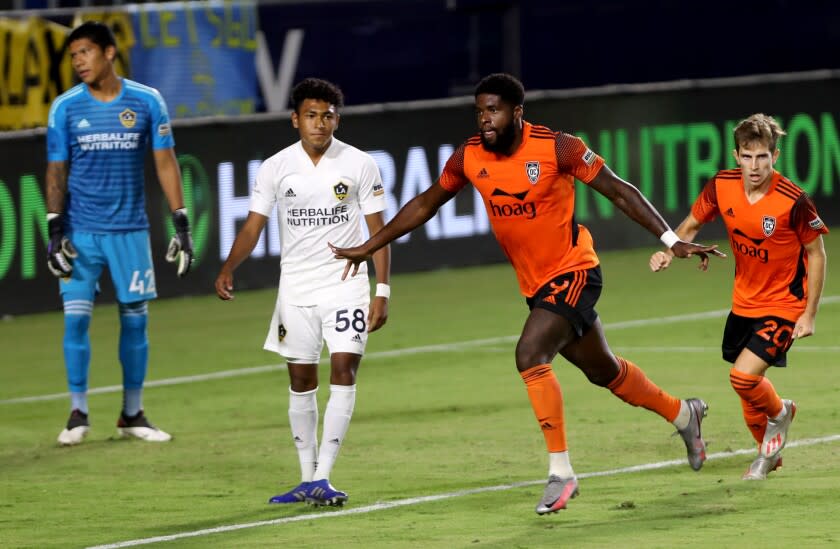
(322, 189)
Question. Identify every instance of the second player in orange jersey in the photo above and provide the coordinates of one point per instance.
(776, 238)
(525, 174)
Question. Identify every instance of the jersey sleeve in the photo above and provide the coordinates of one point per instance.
(161, 128)
(705, 207)
(263, 195)
(453, 178)
(805, 220)
(58, 149)
(371, 191)
(575, 158)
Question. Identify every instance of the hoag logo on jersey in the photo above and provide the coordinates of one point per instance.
(528, 210)
(340, 189)
(753, 249)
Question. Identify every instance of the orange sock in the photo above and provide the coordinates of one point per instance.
(755, 419)
(547, 402)
(633, 387)
(758, 391)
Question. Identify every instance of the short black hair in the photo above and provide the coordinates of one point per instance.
(95, 31)
(504, 85)
(315, 88)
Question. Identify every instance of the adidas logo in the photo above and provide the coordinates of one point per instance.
(290, 194)
(335, 441)
(298, 439)
(483, 173)
(83, 123)
(547, 426)
(729, 212)
(356, 338)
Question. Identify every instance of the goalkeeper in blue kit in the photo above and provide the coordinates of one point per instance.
(97, 135)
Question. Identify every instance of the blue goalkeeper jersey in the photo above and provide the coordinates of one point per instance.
(105, 144)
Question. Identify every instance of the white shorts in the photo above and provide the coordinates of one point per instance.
(298, 333)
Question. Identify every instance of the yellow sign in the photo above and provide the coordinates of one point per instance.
(38, 69)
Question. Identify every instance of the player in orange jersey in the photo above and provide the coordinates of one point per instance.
(525, 174)
(776, 236)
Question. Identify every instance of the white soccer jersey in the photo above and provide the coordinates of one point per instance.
(317, 205)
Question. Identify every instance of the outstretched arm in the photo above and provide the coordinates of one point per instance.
(417, 211)
(816, 279)
(687, 230)
(633, 203)
(378, 314)
(242, 247)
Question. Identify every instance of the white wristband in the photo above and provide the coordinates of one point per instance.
(383, 290)
(52, 215)
(669, 238)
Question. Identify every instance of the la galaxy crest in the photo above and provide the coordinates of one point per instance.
(532, 169)
(340, 189)
(768, 225)
(128, 118)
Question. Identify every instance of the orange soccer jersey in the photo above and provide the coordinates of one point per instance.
(530, 200)
(767, 239)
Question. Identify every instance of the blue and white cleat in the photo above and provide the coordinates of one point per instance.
(321, 492)
(298, 494)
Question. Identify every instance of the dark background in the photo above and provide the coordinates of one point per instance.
(399, 50)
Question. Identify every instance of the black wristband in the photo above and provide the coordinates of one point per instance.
(180, 220)
(55, 226)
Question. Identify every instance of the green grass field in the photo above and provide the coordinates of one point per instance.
(443, 450)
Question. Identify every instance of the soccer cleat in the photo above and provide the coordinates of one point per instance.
(775, 437)
(297, 494)
(321, 492)
(138, 426)
(557, 492)
(692, 436)
(762, 466)
(76, 430)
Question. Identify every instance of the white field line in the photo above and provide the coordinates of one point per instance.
(444, 347)
(439, 497)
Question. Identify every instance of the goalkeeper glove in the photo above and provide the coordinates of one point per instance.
(180, 248)
(59, 248)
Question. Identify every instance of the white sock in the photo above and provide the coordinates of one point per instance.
(683, 417)
(559, 464)
(336, 422)
(781, 415)
(303, 419)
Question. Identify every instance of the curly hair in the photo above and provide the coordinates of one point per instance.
(315, 88)
(504, 85)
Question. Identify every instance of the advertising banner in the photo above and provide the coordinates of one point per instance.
(199, 55)
(34, 71)
(667, 143)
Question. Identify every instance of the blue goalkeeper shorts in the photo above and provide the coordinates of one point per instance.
(128, 257)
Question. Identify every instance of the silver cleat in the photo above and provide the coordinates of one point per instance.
(775, 437)
(762, 466)
(692, 436)
(557, 492)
